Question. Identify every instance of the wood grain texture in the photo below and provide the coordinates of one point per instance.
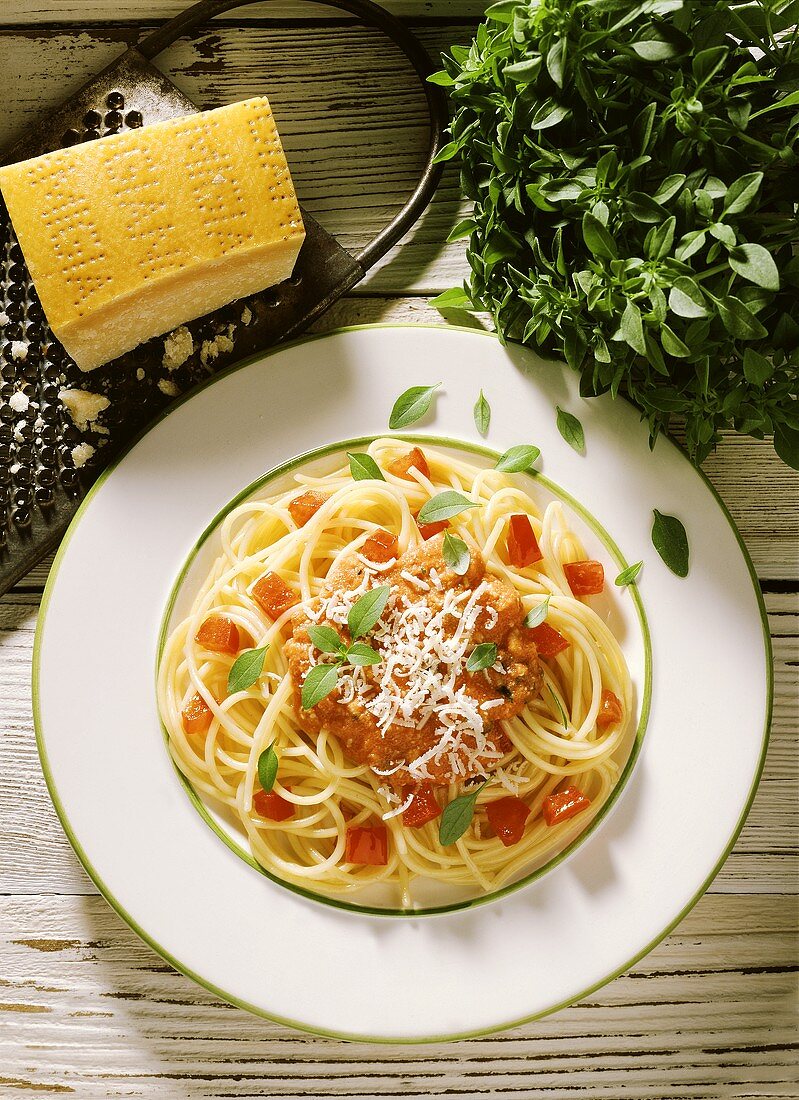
(88, 1010)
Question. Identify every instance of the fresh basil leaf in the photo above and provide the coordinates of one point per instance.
(318, 683)
(597, 239)
(362, 654)
(456, 554)
(364, 468)
(571, 429)
(755, 263)
(632, 329)
(741, 194)
(267, 768)
(517, 459)
(482, 656)
(411, 406)
(326, 639)
(555, 59)
(366, 610)
(457, 817)
(454, 298)
(786, 444)
(670, 540)
(686, 299)
(739, 319)
(246, 669)
(482, 414)
(564, 720)
(536, 615)
(628, 575)
(654, 49)
(445, 505)
(757, 369)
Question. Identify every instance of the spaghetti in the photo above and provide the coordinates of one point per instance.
(344, 812)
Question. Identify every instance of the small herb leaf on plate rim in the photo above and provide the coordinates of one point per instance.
(318, 683)
(536, 615)
(482, 414)
(571, 429)
(364, 468)
(246, 669)
(267, 768)
(366, 610)
(482, 656)
(445, 505)
(628, 575)
(411, 406)
(457, 817)
(456, 553)
(670, 540)
(517, 460)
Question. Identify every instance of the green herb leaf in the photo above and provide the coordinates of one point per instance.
(482, 414)
(267, 768)
(246, 669)
(454, 298)
(445, 505)
(786, 444)
(364, 468)
(482, 656)
(755, 263)
(457, 817)
(739, 319)
(326, 639)
(671, 542)
(456, 554)
(632, 329)
(362, 654)
(536, 615)
(571, 429)
(687, 300)
(318, 683)
(741, 194)
(411, 406)
(564, 720)
(757, 369)
(628, 575)
(366, 610)
(597, 239)
(517, 459)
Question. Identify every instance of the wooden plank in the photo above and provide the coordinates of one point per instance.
(38, 858)
(89, 1009)
(355, 145)
(36, 13)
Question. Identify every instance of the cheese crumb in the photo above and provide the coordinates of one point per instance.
(140, 375)
(19, 349)
(211, 349)
(168, 387)
(3, 317)
(178, 346)
(246, 316)
(84, 407)
(81, 454)
(19, 401)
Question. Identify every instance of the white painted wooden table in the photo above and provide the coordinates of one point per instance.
(85, 1007)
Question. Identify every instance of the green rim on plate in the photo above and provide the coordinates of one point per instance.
(299, 1025)
(646, 699)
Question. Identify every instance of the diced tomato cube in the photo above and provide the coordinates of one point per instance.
(306, 505)
(196, 715)
(274, 595)
(506, 817)
(367, 845)
(381, 546)
(548, 641)
(427, 530)
(272, 805)
(402, 466)
(611, 711)
(220, 634)
(423, 808)
(564, 804)
(586, 578)
(523, 548)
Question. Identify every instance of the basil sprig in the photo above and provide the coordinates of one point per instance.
(517, 459)
(482, 656)
(628, 166)
(456, 554)
(364, 468)
(482, 414)
(457, 816)
(364, 614)
(445, 505)
(411, 406)
(246, 669)
(670, 540)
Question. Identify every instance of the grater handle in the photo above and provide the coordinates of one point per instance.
(374, 16)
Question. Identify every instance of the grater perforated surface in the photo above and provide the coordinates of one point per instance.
(47, 461)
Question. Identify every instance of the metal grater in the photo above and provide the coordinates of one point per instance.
(47, 461)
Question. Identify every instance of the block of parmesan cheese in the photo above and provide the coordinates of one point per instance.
(132, 235)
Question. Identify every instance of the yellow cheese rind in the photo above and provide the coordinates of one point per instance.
(130, 236)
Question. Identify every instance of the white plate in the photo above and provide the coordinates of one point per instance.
(352, 974)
